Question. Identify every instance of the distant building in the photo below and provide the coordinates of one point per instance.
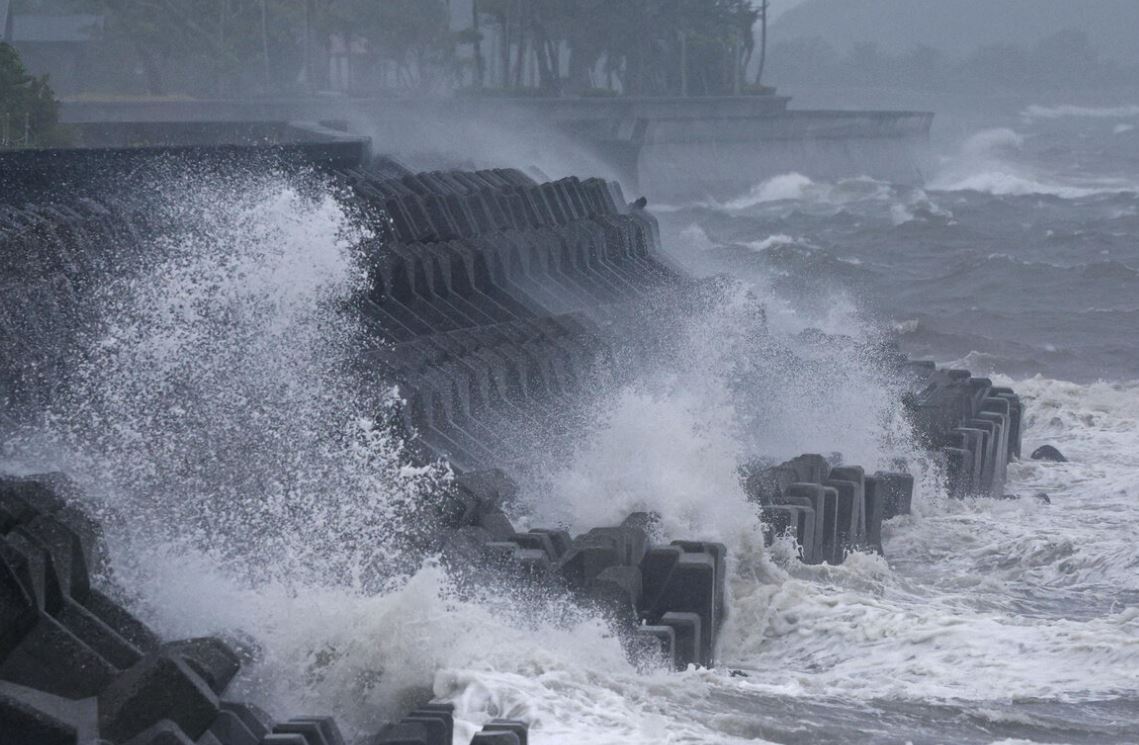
(59, 46)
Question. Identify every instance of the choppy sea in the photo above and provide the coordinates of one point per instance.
(210, 407)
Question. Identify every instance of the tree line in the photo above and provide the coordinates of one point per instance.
(1064, 61)
(29, 113)
(537, 47)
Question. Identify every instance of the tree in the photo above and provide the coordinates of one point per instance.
(29, 113)
(413, 35)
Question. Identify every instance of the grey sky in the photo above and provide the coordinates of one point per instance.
(779, 6)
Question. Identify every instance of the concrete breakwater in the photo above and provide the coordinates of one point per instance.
(495, 301)
(670, 149)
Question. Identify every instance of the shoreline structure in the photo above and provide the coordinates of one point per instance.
(497, 299)
(669, 149)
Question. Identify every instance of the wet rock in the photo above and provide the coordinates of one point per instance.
(1048, 453)
(1042, 497)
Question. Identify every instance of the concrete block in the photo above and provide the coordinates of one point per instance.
(824, 506)
(560, 540)
(161, 733)
(463, 548)
(968, 481)
(811, 468)
(688, 632)
(1016, 413)
(28, 499)
(228, 728)
(658, 641)
(311, 731)
(18, 609)
(873, 509)
(532, 563)
(328, 728)
(520, 730)
(255, 720)
(52, 659)
(630, 543)
(437, 730)
(31, 717)
(824, 501)
(896, 492)
(618, 588)
(284, 739)
(537, 542)
(851, 522)
(129, 628)
(583, 563)
(159, 687)
(959, 471)
(495, 738)
(404, 733)
(798, 520)
(497, 524)
(67, 557)
(102, 639)
(719, 553)
(209, 657)
(444, 714)
(644, 521)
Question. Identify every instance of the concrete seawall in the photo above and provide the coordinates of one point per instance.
(652, 145)
(493, 301)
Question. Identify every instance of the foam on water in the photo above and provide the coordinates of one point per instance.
(244, 472)
(1037, 111)
(988, 162)
(983, 601)
(969, 582)
(797, 187)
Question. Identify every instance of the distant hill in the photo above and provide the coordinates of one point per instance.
(960, 26)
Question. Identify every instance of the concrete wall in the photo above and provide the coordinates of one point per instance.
(666, 148)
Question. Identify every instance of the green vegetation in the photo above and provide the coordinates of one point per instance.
(644, 47)
(373, 47)
(29, 113)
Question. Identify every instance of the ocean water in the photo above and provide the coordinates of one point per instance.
(217, 408)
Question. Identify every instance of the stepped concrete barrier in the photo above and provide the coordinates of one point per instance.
(972, 427)
(495, 302)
